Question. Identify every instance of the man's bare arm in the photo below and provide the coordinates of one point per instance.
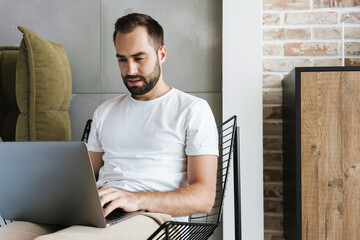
(96, 161)
(198, 197)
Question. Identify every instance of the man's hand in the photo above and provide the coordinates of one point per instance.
(116, 198)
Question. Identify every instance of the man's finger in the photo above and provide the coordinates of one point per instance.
(111, 207)
(104, 190)
(108, 196)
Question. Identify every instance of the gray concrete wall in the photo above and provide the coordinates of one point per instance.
(85, 27)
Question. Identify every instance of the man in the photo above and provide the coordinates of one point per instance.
(154, 149)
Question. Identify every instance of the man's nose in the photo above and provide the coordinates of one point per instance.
(132, 68)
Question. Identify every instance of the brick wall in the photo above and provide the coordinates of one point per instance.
(297, 33)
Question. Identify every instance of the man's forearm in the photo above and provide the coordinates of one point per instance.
(198, 197)
(192, 199)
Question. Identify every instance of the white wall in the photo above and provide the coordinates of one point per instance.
(242, 95)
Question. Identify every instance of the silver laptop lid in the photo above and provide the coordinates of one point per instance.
(48, 182)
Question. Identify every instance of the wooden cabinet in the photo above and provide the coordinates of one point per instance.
(322, 153)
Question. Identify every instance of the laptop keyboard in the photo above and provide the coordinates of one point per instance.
(117, 213)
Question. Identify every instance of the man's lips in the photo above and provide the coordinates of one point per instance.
(134, 81)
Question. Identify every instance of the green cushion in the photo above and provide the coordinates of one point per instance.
(43, 90)
(9, 110)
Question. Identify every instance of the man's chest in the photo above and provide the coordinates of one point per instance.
(143, 132)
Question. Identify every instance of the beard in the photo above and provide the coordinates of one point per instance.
(149, 81)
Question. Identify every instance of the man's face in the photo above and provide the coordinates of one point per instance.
(138, 61)
(132, 82)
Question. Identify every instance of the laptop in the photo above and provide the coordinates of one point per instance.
(52, 183)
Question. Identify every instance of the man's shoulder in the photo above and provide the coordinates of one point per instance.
(111, 103)
(187, 98)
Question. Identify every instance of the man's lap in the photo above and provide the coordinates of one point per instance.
(25, 230)
(138, 227)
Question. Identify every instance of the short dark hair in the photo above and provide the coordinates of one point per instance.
(128, 23)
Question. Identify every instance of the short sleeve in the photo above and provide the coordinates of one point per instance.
(94, 144)
(201, 131)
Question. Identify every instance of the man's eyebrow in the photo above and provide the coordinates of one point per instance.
(139, 54)
(134, 55)
(120, 56)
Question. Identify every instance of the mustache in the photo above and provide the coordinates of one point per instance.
(142, 78)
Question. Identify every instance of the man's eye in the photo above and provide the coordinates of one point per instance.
(122, 60)
(138, 59)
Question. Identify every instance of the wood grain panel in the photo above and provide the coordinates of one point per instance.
(330, 155)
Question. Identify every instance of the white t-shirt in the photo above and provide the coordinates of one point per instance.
(146, 143)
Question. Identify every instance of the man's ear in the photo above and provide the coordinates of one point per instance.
(162, 54)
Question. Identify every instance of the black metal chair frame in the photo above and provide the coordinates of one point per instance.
(172, 230)
(86, 132)
(202, 226)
